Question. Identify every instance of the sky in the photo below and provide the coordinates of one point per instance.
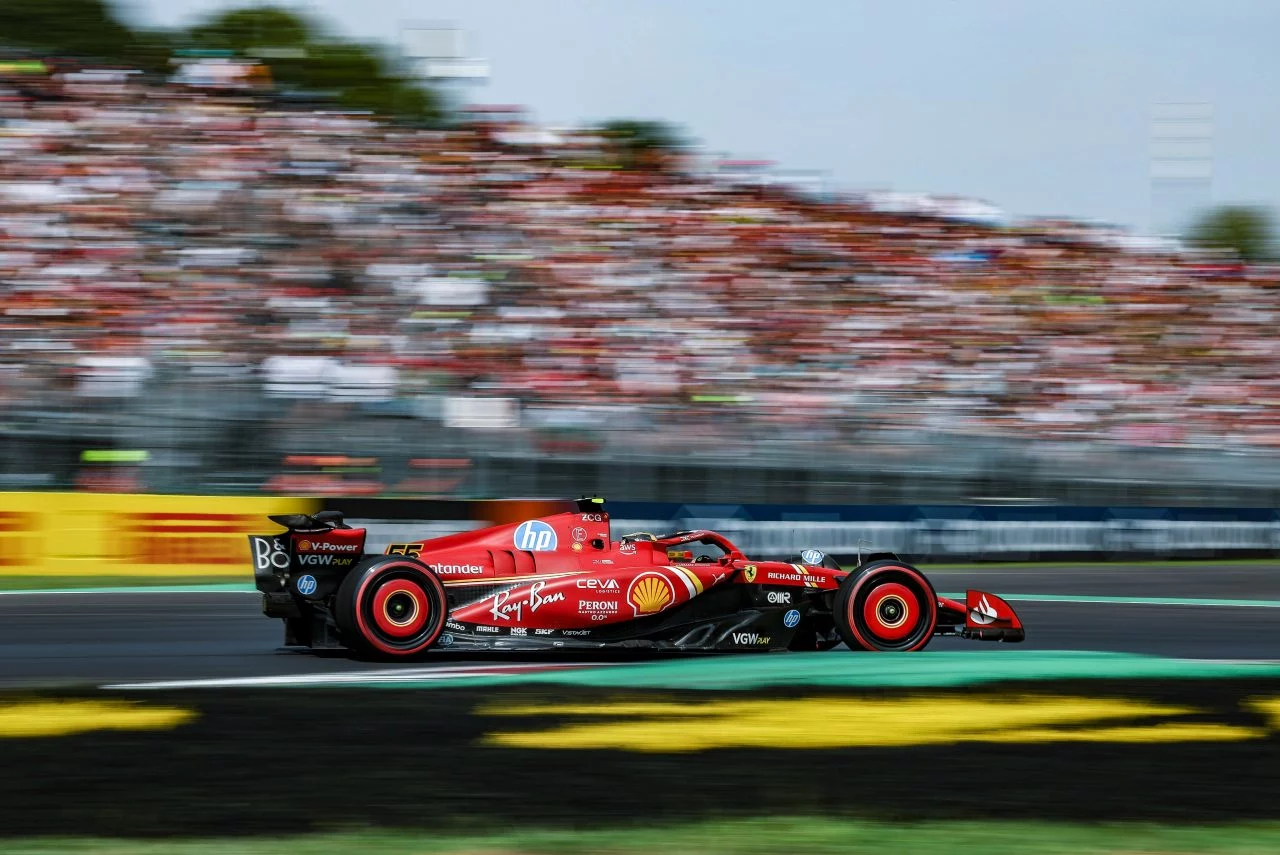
(1041, 107)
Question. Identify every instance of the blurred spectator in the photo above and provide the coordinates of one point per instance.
(334, 257)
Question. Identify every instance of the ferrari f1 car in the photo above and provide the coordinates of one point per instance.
(562, 581)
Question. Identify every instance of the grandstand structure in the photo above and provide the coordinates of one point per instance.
(246, 296)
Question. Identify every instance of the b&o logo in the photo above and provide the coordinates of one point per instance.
(268, 554)
(535, 536)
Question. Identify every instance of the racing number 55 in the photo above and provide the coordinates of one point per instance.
(410, 549)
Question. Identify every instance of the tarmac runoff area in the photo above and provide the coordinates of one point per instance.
(215, 636)
(1141, 694)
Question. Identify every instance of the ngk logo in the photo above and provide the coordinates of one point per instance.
(321, 546)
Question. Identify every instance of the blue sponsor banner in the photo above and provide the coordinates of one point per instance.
(963, 532)
(918, 532)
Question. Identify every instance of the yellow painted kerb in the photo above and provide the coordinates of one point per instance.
(667, 727)
(27, 719)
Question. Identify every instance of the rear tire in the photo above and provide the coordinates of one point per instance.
(391, 606)
(886, 606)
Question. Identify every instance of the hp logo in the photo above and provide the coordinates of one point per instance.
(812, 556)
(535, 536)
(790, 619)
(306, 585)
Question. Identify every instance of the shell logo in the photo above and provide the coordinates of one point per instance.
(650, 593)
(304, 546)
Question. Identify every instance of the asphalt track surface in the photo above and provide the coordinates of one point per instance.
(52, 639)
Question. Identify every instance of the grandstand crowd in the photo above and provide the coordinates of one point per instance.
(144, 226)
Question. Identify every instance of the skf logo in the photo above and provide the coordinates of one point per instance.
(749, 572)
(750, 639)
(650, 593)
(535, 536)
(781, 598)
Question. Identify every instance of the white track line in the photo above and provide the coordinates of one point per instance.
(390, 675)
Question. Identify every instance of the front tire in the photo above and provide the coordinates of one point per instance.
(886, 606)
(392, 606)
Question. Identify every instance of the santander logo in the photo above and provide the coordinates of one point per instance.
(985, 613)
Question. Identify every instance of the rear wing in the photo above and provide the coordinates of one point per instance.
(322, 521)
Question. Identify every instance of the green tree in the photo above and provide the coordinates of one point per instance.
(243, 30)
(643, 143)
(305, 56)
(1244, 230)
(86, 29)
(359, 76)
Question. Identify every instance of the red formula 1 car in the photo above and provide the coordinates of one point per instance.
(562, 581)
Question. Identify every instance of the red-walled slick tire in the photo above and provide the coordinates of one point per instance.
(391, 606)
(886, 605)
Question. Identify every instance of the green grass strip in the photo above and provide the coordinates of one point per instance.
(841, 669)
(735, 837)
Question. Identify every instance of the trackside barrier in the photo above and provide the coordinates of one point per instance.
(924, 533)
(101, 534)
(977, 532)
